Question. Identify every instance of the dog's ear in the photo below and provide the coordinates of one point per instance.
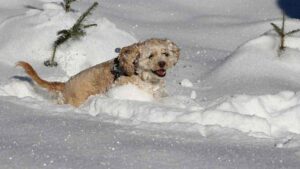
(128, 58)
(174, 48)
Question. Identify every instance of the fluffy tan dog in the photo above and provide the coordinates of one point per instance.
(143, 64)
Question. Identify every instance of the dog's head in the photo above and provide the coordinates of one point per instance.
(156, 56)
(149, 59)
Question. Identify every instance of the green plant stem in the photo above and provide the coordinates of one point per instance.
(282, 45)
(53, 54)
(75, 32)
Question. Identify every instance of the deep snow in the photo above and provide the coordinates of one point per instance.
(233, 101)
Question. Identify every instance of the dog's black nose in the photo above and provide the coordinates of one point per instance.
(162, 64)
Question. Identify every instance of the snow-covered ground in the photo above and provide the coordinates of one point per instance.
(234, 100)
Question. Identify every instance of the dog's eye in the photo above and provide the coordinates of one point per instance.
(151, 56)
(127, 52)
(166, 54)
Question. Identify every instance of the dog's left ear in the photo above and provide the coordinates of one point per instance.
(174, 48)
(128, 58)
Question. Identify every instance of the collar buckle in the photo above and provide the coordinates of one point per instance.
(116, 69)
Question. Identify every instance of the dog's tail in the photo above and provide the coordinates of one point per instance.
(52, 86)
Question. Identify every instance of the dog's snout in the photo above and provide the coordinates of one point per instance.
(162, 64)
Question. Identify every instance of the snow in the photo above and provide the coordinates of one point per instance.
(42, 24)
(258, 116)
(186, 83)
(233, 100)
(18, 89)
(129, 92)
(193, 95)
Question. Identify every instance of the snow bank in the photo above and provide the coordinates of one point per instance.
(32, 35)
(129, 92)
(277, 113)
(259, 62)
(19, 89)
(265, 115)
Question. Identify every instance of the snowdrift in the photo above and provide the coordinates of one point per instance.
(33, 33)
(259, 67)
(261, 116)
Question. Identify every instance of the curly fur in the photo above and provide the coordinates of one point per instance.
(143, 64)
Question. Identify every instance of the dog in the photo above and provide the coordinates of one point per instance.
(143, 64)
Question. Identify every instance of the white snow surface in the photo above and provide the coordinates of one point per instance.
(234, 99)
(186, 83)
(39, 26)
(129, 92)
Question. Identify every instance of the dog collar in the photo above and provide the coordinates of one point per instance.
(116, 69)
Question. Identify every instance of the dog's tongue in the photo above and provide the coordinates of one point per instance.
(161, 72)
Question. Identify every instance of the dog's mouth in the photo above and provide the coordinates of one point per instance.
(160, 72)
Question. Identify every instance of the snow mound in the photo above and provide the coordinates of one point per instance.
(265, 115)
(129, 92)
(260, 116)
(258, 65)
(43, 24)
(277, 114)
(19, 89)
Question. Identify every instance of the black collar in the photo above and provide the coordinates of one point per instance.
(116, 69)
